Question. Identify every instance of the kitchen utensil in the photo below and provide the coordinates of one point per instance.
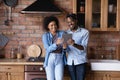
(19, 55)
(6, 22)
(34, 51)
(3, 40)
(1, 1)
(10, 4)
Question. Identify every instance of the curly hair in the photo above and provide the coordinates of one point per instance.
(49, 19)
(72, 16)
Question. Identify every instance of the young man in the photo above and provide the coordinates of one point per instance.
(77, 48)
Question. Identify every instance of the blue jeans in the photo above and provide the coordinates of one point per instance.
(55, 68)
(77, 72)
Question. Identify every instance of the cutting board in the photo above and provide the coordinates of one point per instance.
(34, 50)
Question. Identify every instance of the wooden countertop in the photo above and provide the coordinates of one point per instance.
(18, 62)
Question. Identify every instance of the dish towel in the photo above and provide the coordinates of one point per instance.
(3, 40)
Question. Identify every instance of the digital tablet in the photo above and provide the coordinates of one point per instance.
(66, 37)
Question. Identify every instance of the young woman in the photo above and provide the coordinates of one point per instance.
(52, 41)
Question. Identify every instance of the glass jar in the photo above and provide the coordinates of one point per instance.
(82, 6)
(19, 55)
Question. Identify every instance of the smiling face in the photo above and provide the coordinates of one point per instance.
(71, 23)
(52, 26)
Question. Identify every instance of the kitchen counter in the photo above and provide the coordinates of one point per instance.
(18, 62)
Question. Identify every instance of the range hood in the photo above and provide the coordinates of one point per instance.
(42, 7)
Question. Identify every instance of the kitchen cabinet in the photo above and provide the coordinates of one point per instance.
(114, 76)
(88, 72)
(98, 15)
(79, 7)
(66, 74)
(96, 75)
(67, 78)
(11, 72)
(3, 76)
(105, 75)
(88, 76)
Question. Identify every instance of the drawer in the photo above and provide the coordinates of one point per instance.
(11, 68)
(34, 68)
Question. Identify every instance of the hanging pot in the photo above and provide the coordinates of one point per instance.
(6, 22)
(10, 4)
(1, 1)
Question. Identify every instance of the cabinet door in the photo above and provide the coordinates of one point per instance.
(112, 14)
(79, 7)
(114, 76)
(67, 78)
(103, 15)
(66, 73)
(98, 76)
(88, 76)
(16, 76)
(94, 13)
(11, 72)
(3, 76)
(103, 75)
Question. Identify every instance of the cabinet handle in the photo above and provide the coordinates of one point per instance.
(9, 73)
(34, 74)
(8, 68)
(41, 68)
(105, 75)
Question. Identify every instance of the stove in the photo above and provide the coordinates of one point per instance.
(35, 72)
(35, 59)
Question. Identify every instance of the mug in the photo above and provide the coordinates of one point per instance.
(110, 8)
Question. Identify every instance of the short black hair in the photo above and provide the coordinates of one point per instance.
(72, 16)
(49, 19)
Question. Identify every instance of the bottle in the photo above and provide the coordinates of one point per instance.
(82, 6)
(12, 54)
(19, 55)
(111, 54)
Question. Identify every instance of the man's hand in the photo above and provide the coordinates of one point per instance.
(65, 45)
(70, 42)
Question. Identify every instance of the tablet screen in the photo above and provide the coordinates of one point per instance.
(66, 37)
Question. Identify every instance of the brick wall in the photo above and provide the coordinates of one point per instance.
(26, 29)
(102, 44)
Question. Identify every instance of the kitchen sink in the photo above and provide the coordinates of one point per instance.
(105, 65)
(104, 61)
